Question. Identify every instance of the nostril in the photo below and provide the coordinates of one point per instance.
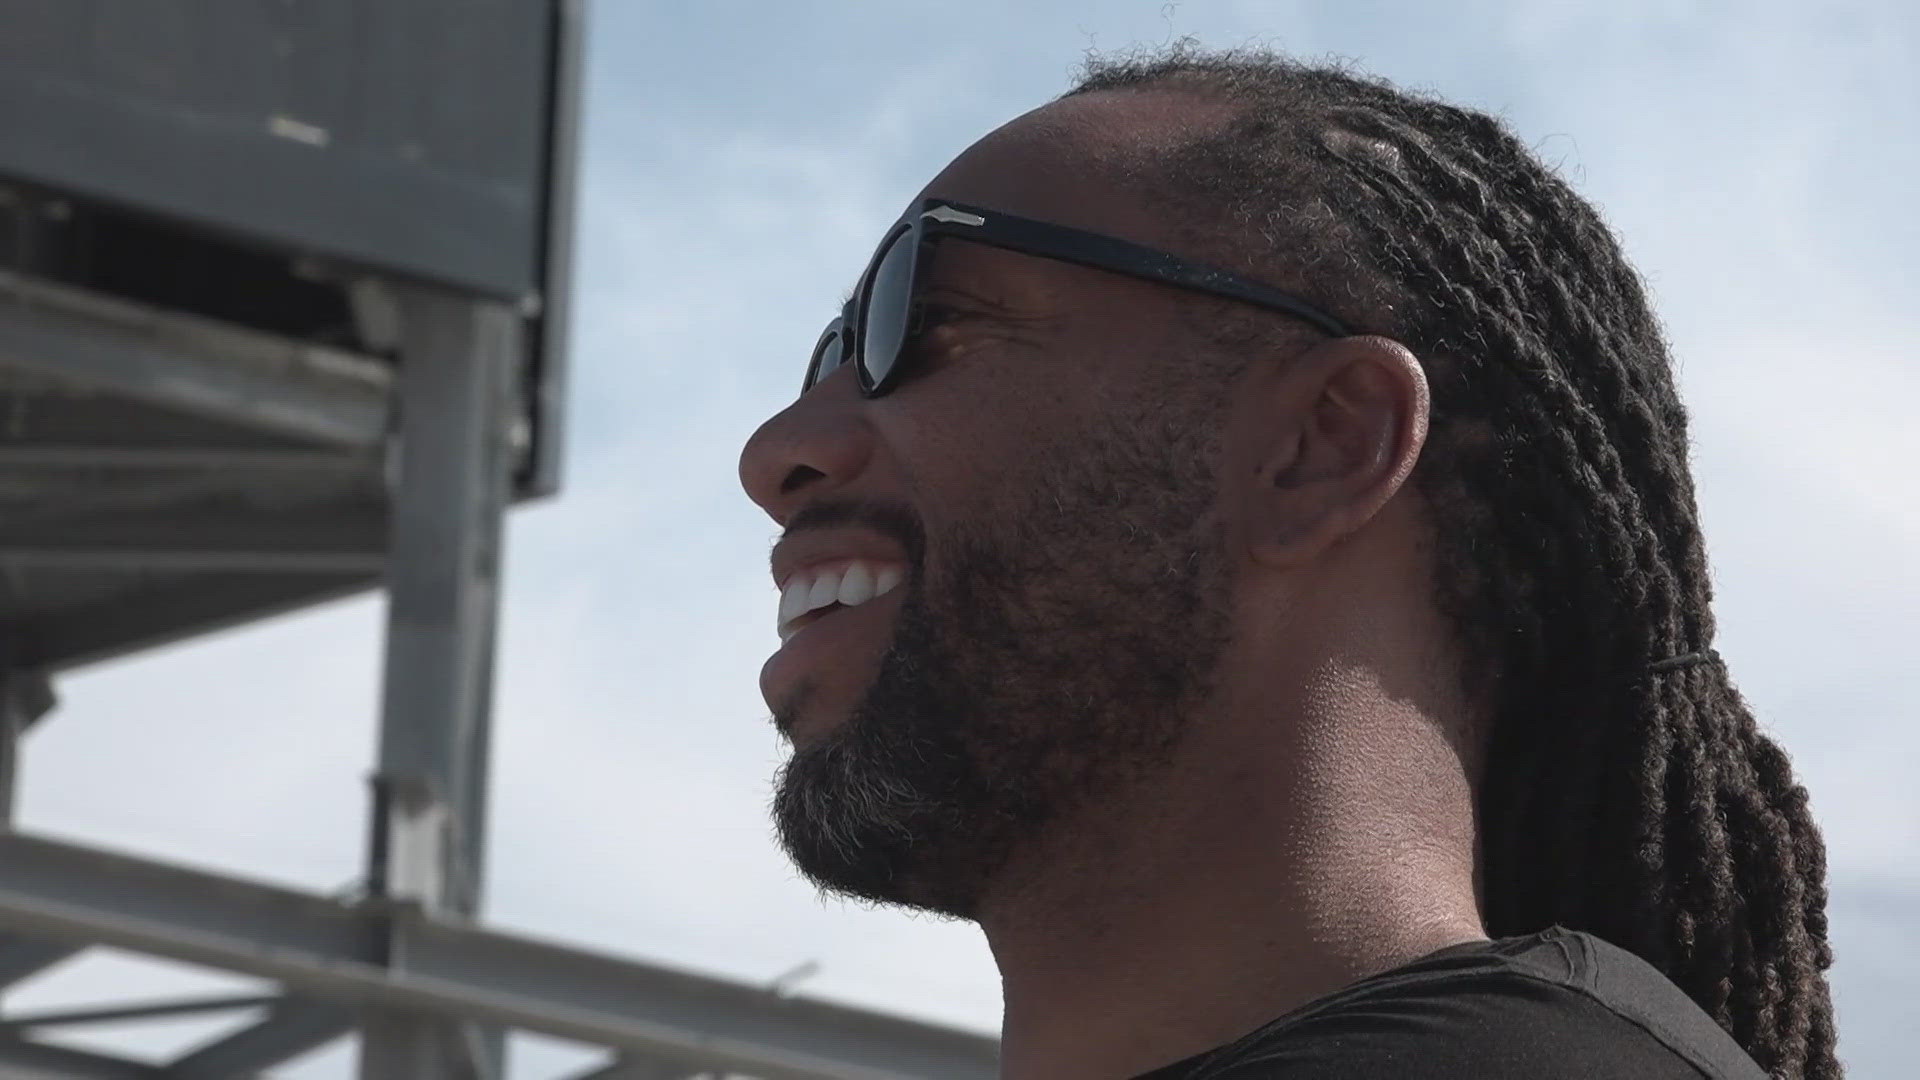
(801, 474)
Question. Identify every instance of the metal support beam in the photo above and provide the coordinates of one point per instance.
(630, 1068)
(148, 1011)
(47, 458)
(459, 361)
(128, 497)
(337, 544)
(21, 1060)
(23, 958)
(399, 1043)
(547, 400)
(195, 365)
(25, 696)
(322, 948)
(170, 611)
(292, 1028)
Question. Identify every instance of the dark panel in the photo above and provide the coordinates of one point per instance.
(24, 957)
(407, 134)
(198, 604)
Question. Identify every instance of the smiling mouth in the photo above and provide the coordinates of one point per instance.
(811, 594)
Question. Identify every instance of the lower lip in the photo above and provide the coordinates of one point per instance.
(846, 637)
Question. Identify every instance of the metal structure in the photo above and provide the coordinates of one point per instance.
(282, 309)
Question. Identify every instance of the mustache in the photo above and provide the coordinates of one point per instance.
(890, 518)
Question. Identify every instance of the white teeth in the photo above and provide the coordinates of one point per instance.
(857, 586)
(849, 584)
(826, 590)
(793, 600)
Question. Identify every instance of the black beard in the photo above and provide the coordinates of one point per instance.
(1043, 667)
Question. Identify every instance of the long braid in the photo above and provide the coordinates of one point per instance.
(1638, 804)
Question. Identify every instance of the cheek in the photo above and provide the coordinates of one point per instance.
(960, 454)
(998, 470)
(986, 443)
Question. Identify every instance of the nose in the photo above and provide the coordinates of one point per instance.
(818, 444)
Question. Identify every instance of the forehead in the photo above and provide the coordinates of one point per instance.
(1078, 162)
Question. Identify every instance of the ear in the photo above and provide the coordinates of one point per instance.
(1317, 445)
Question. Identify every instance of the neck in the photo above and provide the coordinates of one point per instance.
(1225, 897)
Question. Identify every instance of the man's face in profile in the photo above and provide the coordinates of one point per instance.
(1046, 470)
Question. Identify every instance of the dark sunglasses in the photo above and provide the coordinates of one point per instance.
(878, 322)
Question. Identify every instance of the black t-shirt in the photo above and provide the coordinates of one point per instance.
(1559, 1003)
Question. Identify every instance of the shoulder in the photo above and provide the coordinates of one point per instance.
(1558, 1003)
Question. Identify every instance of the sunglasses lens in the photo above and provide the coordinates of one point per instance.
(888, 300)
(828, 354)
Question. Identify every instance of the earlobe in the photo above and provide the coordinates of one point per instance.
(1333, 435)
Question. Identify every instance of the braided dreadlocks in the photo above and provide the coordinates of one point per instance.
(1624, 796)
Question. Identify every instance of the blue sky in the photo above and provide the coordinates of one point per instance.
(1757, 159)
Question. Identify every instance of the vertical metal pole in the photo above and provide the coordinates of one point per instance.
(11, 727)
(25, 696)
(458, 366)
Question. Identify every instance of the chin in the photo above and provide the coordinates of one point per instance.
(869, 836)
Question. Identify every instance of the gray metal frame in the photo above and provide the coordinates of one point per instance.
(431, 992)
(429, 815)
(548, 384)
(163, 475)
(323, 397)
(399, 956)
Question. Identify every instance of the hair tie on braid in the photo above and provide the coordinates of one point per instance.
(1684, 660)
